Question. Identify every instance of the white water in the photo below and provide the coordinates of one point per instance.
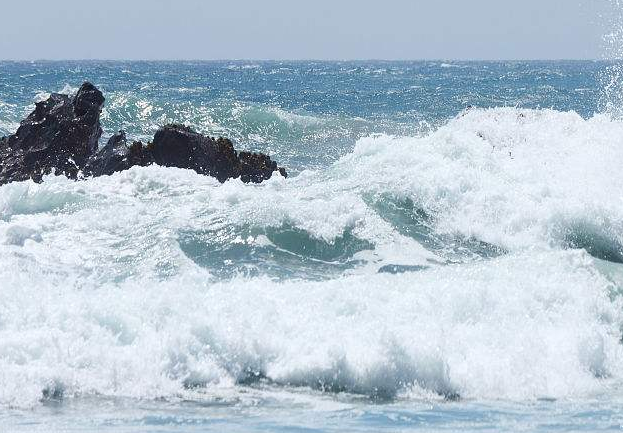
(97, 296)
(515, 178)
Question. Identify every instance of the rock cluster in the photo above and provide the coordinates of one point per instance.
(61, 137)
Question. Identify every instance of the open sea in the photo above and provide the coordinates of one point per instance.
(446, 254)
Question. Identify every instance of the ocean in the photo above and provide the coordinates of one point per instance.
(445, 255)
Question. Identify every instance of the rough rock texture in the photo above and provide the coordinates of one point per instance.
(180, 146)
(61, 136)
(117, 155)
(57, 137)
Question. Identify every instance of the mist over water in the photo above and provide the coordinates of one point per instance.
(611, 79)
(447, 253)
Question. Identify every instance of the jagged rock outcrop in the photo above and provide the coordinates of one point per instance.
(118, 155)
(61, 136)
(58, 137)
(180, 146)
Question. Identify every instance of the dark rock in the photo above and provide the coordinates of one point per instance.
(255, 167)
(180, 146)
(61, 136)
(118, 156)
(58, 137)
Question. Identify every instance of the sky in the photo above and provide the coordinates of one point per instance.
(304, 29)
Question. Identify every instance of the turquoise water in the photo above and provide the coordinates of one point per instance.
(445, 256)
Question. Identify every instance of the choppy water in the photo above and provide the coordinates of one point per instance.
(447, 254)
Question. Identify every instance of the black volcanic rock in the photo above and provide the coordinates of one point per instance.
(61, 136)
(255, 167)
(180, 146)
(117, 155)
(57, 137)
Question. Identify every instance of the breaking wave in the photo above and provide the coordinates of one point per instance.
(481, 260)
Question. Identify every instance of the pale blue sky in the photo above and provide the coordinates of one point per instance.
(303, 29)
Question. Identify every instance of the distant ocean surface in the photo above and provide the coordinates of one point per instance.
(446, 255)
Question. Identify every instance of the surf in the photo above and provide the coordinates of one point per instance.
(477, 261)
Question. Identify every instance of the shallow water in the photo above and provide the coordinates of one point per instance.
(446, 254)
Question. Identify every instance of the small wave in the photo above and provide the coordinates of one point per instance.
(452, 65)
(244, 67)
(280, 252)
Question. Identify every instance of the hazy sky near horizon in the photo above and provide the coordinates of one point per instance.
(291, 29)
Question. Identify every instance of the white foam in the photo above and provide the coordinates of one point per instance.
(66, 90)
(450, 65)
(515, 178)
(521, 327)
(97, 296)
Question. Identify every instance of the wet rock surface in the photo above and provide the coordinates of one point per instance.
(118, 155)
(58, 137)
(61, 137)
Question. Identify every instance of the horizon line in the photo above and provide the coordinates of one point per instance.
(315, 60)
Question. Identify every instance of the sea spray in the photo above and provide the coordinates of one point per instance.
(612, 76)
